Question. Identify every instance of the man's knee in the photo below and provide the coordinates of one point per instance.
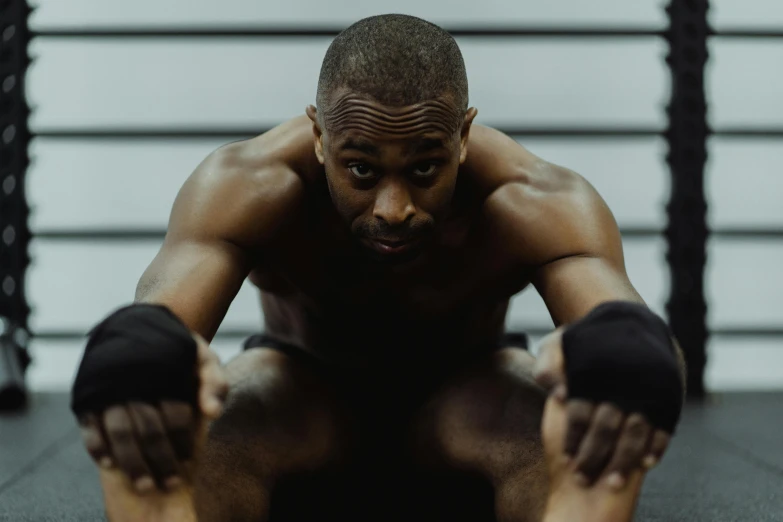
(278, 413)
(489, 419)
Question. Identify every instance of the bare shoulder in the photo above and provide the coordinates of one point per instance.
(547, 211)
(244, 191)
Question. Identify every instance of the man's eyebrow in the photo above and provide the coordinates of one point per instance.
(426, 145)
(361, 145)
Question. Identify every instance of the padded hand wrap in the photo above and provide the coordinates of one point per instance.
(140, 353)
(623, 353)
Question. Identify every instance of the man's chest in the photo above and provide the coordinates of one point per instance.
(451, 278)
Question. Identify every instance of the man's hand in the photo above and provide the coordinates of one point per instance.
(569, 500)
(600, 439)
(154, 445)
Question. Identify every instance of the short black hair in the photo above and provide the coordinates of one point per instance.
(396, 59)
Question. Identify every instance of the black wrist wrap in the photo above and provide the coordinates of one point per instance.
(139, 353)
(623, 353)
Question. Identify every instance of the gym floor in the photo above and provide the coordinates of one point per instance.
(724, 465)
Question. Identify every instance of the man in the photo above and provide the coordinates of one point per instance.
(386, 233)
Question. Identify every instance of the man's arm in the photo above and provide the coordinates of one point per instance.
(222, 217)
(567, 234)
(562, 233)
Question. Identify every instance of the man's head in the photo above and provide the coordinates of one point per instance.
(391, 128)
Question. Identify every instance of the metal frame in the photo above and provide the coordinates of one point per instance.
(686, 231)
(14, 233)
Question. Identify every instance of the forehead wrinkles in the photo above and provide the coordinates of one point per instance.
(355, 113)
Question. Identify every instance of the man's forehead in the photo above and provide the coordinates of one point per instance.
(351, 111)
(370, 142)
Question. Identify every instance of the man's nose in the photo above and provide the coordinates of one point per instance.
(393, 202)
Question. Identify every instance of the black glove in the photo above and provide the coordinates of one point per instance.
(139, 353)
(622, 353)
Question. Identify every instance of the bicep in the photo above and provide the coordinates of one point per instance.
(221, 218)
(586, 265)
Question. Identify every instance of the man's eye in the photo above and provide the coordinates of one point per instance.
(426, 170)
(360, 170)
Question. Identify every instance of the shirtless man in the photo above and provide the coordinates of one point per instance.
(386, 232)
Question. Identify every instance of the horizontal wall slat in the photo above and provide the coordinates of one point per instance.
(743, 284)
(645, 263)
(186, 13)
(152, 83)
(72, 285)
(55, 362)
(238, 133)
(743, 82)
(745, 363)
(631, 175)
(109, 185)
(131, 185)
(744, 185)
(734, 364)
(754, 14)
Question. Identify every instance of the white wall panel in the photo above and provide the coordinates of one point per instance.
(753, 14)
(744, 285)
(644, 261)
(159, 83)
(630, 174)
(98, 184)
(73, 284)
(744, 364)
(78, 184)
(55, 362)
(734, 363)
(185, 13)
(744, 80)
(744, 182)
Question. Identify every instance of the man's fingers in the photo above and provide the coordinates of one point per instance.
(179, 422)
(658, 445)
(579, 413)
(154, 443)
(93, 438)
(629, 450)
(125, 448)
(548, 370)
(599, 442)
(213, 389)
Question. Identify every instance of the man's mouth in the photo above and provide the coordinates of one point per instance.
(391, 246)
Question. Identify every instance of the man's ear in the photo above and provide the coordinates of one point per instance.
(318, 135)
(470, 115)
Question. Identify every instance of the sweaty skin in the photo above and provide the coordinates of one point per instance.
(387, 242)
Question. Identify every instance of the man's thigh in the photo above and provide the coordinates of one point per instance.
(281, 419)
(484, 426)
